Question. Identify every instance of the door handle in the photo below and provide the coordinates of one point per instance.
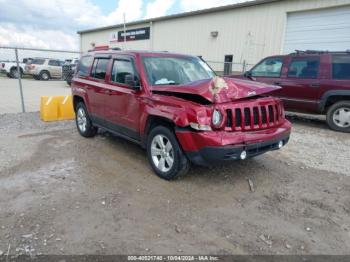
(107, 92)
(314, 85)
(277, 83)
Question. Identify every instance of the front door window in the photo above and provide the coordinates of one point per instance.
(270, 67)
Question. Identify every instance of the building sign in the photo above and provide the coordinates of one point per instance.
(131, 35)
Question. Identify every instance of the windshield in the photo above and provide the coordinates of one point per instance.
(175, 70)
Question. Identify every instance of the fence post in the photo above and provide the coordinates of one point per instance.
(20, 81)
(244, 66)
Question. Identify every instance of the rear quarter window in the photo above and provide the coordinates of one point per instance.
(38, 61)
(341, 67)
(84, 66)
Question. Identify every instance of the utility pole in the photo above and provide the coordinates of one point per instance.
(124, 31)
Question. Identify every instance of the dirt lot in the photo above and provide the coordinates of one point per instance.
(64, 194)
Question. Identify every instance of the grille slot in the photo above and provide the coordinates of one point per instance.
(256, 115)
(229, 118)
(246, 116)
(238, 117)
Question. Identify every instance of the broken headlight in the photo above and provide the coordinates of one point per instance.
(200, 127)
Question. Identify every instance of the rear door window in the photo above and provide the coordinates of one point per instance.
(54, 63)
(99, 68)
(304, 68)
(341, 67)
(270, 67)
(84, 65)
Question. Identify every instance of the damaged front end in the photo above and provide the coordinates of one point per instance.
(234, 105)
(229, 119)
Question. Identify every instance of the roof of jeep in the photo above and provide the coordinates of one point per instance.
(135, 52)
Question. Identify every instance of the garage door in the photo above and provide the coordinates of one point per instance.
(325, 29)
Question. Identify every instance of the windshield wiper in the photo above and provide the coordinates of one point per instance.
(168, 84)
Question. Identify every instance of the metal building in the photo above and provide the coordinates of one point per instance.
(241, 33)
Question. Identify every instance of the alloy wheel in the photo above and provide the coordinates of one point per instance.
(81, 119)
(162, 153)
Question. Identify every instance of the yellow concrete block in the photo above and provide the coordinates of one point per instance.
(48, 108)
(53, 108)
(65, 109)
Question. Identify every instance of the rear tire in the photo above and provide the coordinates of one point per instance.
(44, 75)
(165, 154)
(83, 121)
(14, 74)
(338, 116)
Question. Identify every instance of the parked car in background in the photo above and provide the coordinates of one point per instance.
(177, 108)
(316, 82)
(10, 68)
(68, 70)
(44, 68)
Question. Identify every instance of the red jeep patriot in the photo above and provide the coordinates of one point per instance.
(316, 82)
(177, 108)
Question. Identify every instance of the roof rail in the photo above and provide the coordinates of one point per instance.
(317, 52)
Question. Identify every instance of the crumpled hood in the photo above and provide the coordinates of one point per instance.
(219, 89)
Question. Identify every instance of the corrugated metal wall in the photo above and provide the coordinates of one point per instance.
(249, 33)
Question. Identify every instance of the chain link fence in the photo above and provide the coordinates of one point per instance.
(26, 74)
(229, 68)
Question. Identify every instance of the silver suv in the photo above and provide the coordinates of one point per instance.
(44, 68)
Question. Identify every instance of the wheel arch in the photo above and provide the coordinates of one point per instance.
(46, 71)
(15, 67)
(332, 97)
(76, 100)
(153, 121)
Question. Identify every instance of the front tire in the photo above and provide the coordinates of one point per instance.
(338, 116)
(83, 121)
(44, 75)
(165, 154)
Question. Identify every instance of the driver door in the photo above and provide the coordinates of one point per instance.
(122, 103)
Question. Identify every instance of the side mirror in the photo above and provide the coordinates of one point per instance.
(132, 81)
(247, 74)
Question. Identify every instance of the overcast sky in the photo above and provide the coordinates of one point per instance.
(54, 23)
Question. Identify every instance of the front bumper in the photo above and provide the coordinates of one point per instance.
(210, 148)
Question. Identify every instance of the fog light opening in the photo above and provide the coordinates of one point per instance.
(243, 155)
(280, 144)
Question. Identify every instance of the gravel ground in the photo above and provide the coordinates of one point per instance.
(64, 194)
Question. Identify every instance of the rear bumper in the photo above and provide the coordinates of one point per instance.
(210, 148)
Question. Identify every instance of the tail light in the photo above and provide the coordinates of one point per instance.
(2, 65)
